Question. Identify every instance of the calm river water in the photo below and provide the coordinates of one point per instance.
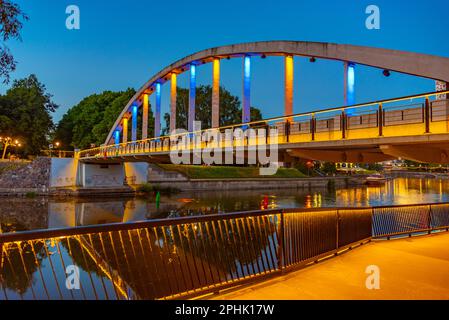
(17, 214)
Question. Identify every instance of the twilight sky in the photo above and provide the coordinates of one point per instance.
(123, 43)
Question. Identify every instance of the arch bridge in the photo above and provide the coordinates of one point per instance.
(369, 132)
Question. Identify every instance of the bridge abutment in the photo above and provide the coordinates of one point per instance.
(69, 173)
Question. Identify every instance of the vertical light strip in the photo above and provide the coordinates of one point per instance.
(216, 93)
(246, 110)
(145, 116)
(349, 93)
(157, 115)
(288, 86)
(125, 130)
(192, 94)
(117, 136)
(173, 102)
(134, 123)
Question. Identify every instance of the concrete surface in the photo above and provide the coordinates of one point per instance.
(411, 268)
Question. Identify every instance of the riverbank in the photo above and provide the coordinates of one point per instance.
(33, 179)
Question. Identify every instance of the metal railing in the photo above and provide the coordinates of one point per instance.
(417, 114)
(58, 153)
(189, 256)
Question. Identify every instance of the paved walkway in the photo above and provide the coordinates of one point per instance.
(412, 268)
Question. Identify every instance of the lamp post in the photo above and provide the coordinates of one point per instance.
(8, 141)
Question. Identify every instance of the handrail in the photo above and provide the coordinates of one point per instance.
(188, 256)
(122, 226)
(311, 113)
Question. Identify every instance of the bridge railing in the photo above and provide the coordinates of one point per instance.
(190, 256)
(411, 115)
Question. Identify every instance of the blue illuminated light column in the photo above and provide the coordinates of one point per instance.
(117, 136)
(134, 123)
(246, 110)
(349, 89)
(157, 115)
(192, 93)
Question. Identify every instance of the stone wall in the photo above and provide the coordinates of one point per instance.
(33, 177)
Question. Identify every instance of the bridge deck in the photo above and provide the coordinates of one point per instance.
(412, 268)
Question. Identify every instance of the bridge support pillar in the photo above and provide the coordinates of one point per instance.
(117, 136)
(192, 94)
(157, 113)
(216, 93)
(173, 102)
(246, 110)
(349, 83)
(145, 116)
(288, 86)
(125, 130)
(134, 123)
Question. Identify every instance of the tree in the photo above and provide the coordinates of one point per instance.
(230, 109)
(90, 121)
(11, 17)
(25, 112)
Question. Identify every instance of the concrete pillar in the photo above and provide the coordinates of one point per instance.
(349, 83)
(288, 86)
(192, 93)
(216, 93)
(157, 113)
(145, 116)
(125, 130)
(134, 123)
(246, 110)
(117, 136)
(173, 102)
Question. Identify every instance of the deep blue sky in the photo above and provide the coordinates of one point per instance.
(123, 43)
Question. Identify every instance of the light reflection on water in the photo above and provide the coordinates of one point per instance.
(42, 213)
(36, 269)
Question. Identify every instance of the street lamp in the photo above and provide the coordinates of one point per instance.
(8, 141)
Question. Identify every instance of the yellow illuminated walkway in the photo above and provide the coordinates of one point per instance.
(411, 268)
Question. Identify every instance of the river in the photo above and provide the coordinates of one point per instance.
(19, 214)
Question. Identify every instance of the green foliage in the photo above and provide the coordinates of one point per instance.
(302, 167)
(228, 172)
(90, 121)
(11, 22)
(329, 167)
(25, 114)
(230, 109)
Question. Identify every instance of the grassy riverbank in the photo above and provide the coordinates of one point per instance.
(228, 172)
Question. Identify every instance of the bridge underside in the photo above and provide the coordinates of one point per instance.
(422, 148)
(426, 148)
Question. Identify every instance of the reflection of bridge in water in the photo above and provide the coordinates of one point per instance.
(190, 256)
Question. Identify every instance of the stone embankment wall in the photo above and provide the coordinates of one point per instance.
(32, 177)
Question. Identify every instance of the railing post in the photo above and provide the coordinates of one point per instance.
(312, 126)
(430, 219)
(338, 230)
(427, 115)
(380, 119)
(282, 256)
(267, 130)
(343, 124)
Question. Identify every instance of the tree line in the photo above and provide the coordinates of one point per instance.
(26, 114)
